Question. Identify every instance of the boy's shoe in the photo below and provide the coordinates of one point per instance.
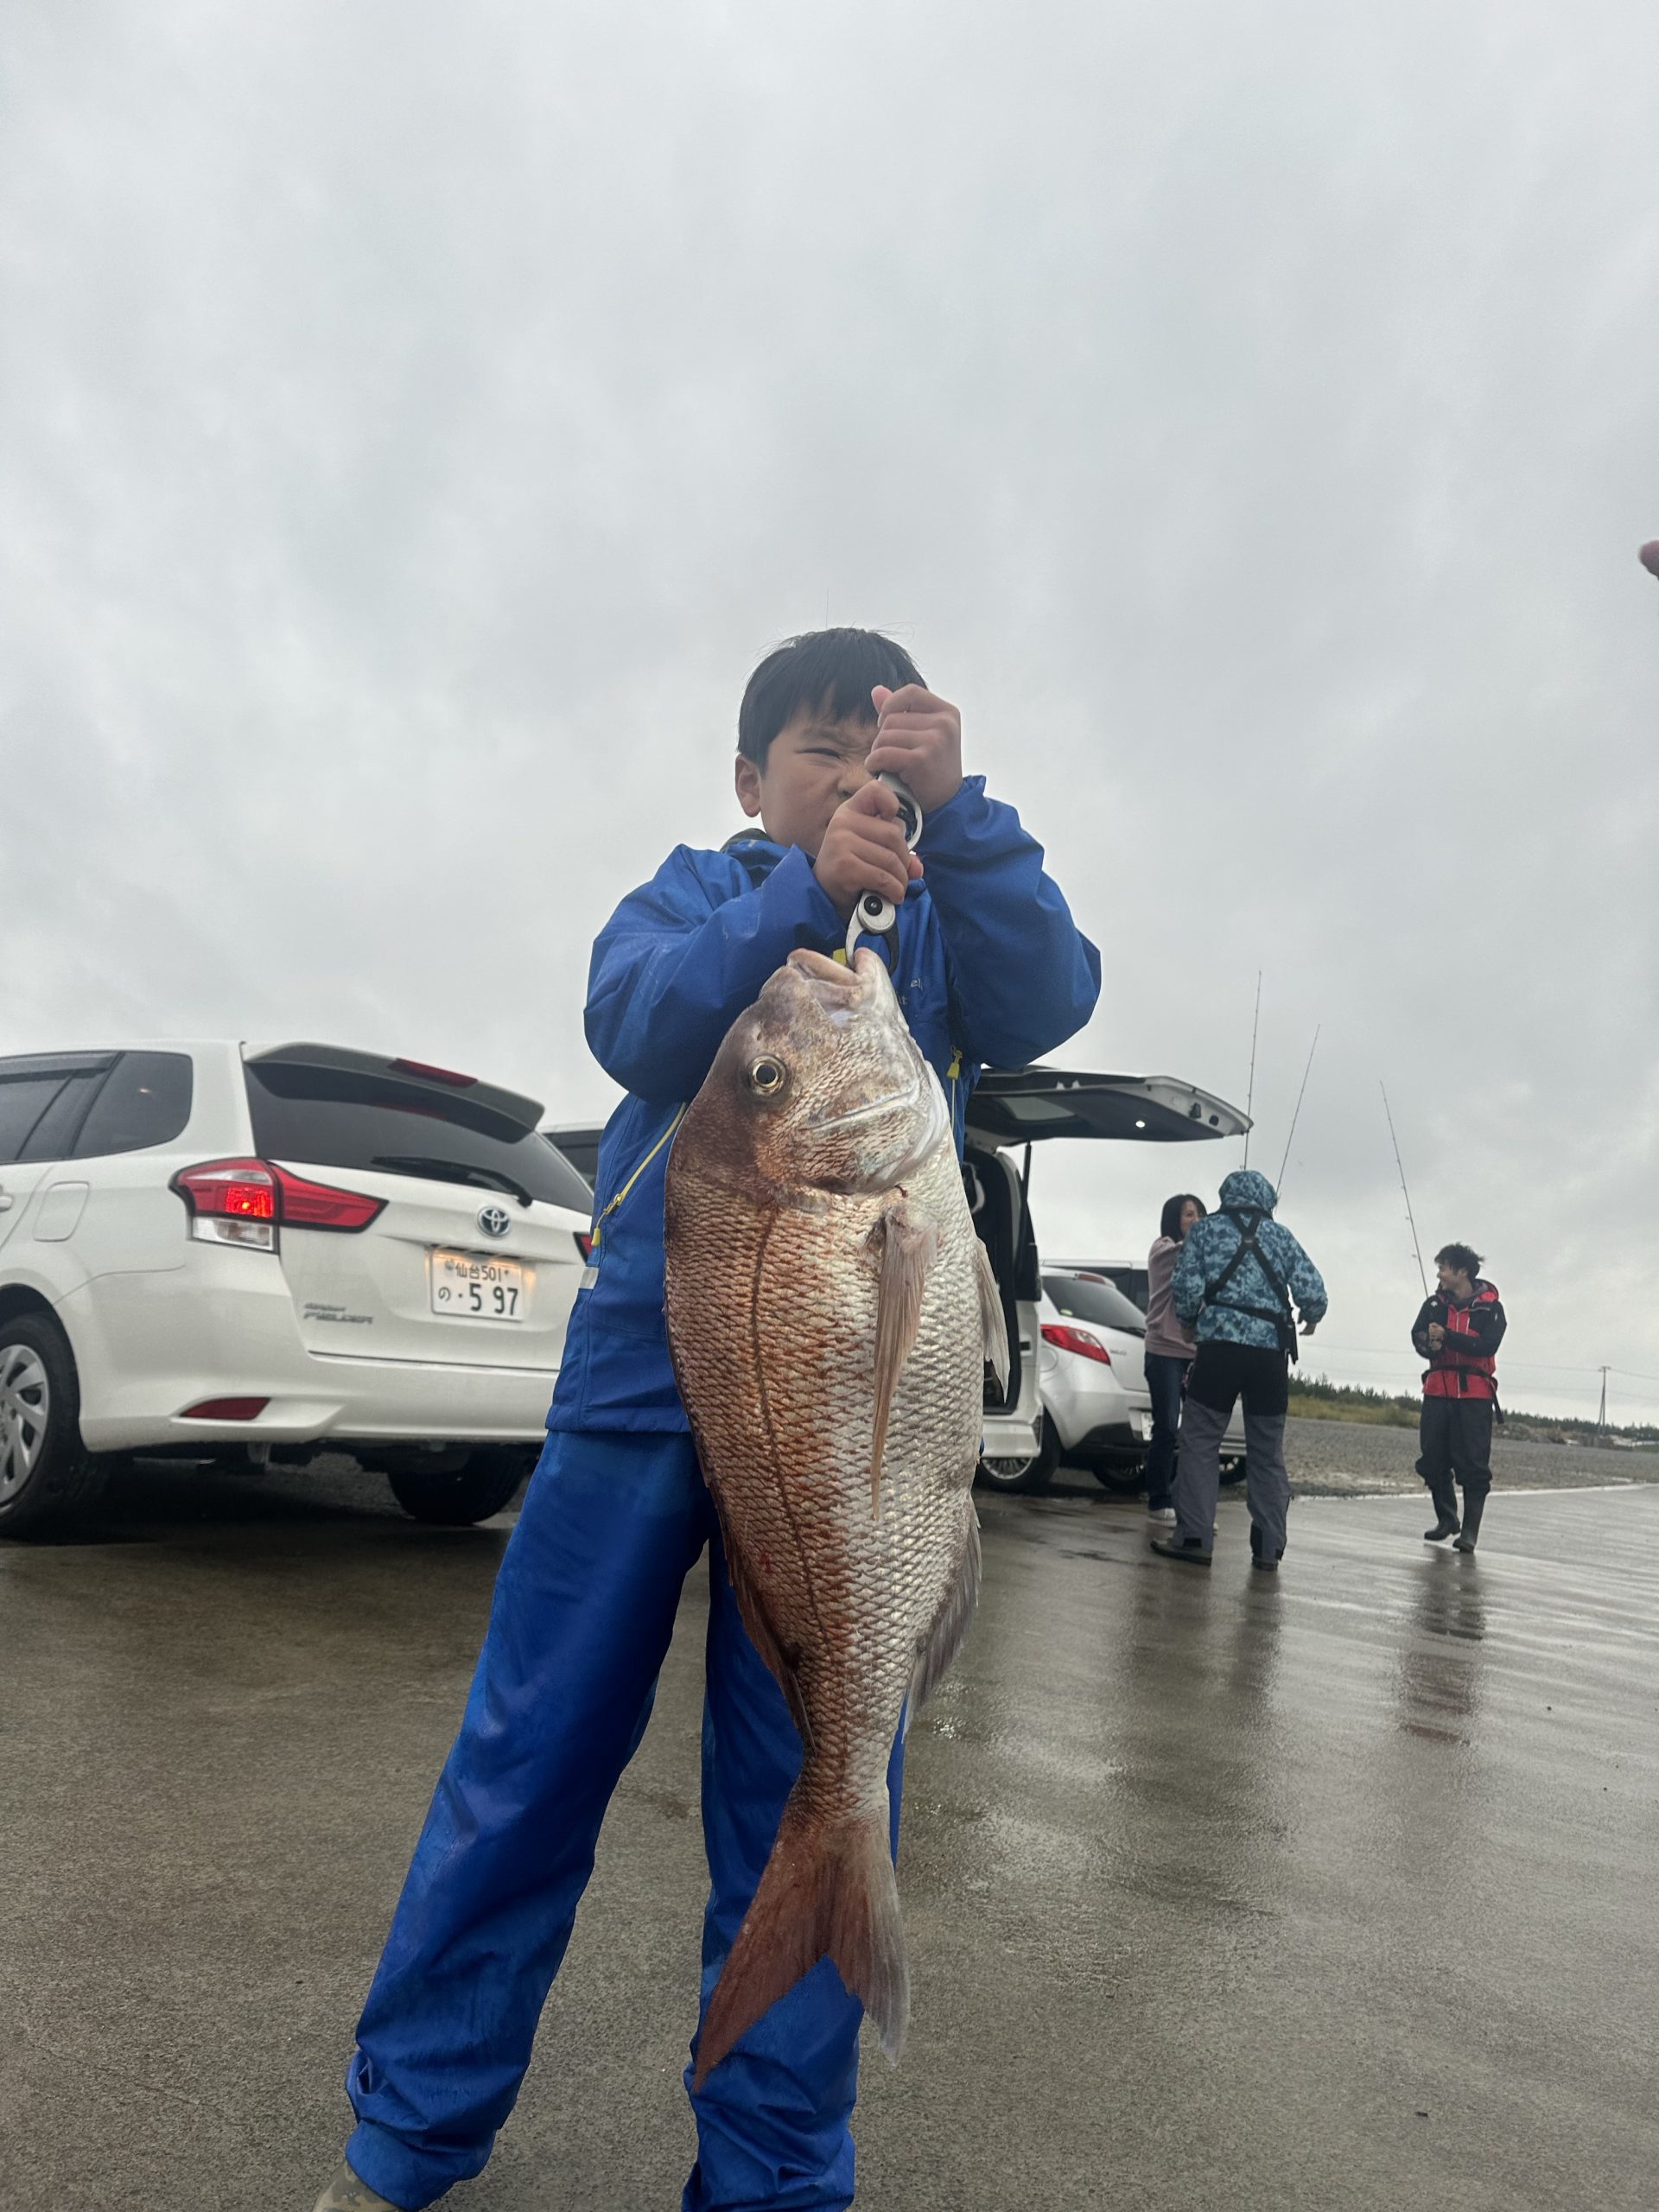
(345, 2193)
(1257, 1560)
(1164, 1515)
(1188, 1549)
(1447, 1525)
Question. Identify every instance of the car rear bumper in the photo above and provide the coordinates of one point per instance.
(148, 1346)
(1111, 1440)
(1010, 1436)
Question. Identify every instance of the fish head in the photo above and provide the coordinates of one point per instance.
(821, 1084)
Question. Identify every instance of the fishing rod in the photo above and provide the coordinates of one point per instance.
(1296, 1116)
(1422, 1275)
(1249, 1099)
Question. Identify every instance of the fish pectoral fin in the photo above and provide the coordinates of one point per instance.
(950, 1624)
(992, 1319)
(908, 1242)
(752, 1605)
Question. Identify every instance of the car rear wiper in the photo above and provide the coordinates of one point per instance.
(451, 1171)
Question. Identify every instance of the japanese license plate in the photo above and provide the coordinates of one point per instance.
(479, 1290)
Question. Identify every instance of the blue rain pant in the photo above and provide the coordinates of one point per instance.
(583, 1609)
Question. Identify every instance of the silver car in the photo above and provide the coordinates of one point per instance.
(1097, 1409)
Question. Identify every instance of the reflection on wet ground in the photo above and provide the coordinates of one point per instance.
(1327, 1889)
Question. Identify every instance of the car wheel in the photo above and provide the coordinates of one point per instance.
(1124, 1476)
(1232, 1470)
(486, 1483)
(1027, 1474)
(46, 1479)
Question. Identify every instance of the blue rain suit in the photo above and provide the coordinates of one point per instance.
(989, 967)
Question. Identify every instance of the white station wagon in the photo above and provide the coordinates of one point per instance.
(211, 1251)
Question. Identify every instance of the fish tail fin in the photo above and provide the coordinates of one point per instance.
(827, 1893)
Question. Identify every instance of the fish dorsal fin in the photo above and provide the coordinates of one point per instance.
(991, 1317)
(907, 1242)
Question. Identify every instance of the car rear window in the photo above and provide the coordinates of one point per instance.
(145, 1100)
(23, 1099)
(338, 1117)
(1094, 1301)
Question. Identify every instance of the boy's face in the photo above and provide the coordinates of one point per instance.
(814, 764)
(1453, 1281)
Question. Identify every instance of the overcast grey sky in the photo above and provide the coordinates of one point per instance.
(415, 420)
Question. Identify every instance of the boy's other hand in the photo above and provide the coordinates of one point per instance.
(1436, 1336)
(864, 849)
(918, 738)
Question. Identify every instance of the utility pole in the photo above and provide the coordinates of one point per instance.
(1601, 1416)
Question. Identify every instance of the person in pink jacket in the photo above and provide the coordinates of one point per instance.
(1170, 1347)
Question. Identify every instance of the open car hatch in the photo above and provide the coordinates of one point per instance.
(1035, 1103)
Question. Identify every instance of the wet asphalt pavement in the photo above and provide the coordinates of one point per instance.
(1332, 1890)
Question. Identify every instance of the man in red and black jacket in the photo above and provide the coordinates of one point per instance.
(1458, 1333)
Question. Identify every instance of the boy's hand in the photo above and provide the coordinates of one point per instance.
(918, 738)
(1436, 1336)
(864, 849)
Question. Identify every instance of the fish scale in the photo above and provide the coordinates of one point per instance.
(810, 1224)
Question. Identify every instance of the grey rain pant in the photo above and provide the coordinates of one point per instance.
(1197, 1474)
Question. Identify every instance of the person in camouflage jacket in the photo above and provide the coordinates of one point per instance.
(1241, 1280)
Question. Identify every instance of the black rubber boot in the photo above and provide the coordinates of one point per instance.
(1443, 1495)
(1472, 1509)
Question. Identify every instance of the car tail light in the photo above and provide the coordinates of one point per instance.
(246, 1201)
(320, 1205)
(584, 1244)
(225, 1409)
(1063, 1337)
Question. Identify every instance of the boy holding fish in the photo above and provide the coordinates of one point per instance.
(988, 967)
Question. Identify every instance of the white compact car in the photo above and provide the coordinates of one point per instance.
(1091, 1375)
(1092, 1379)
(210, 1251)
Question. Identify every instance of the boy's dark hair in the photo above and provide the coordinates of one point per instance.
(828, 672)
(1169, 1222)
(1461, 1257)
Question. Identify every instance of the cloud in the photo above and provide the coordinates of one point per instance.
(413, 426)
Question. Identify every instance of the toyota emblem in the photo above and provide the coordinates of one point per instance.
(494, 1221)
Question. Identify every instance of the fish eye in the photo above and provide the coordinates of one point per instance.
(767, 1076)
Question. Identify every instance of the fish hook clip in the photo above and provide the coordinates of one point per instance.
(875, 916)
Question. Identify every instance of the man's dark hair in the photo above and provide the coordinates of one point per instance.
(1169, 1222)
(828, 672)
(1463, 1257)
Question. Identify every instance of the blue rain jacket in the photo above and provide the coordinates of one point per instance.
(1211, 1244)
(990, 968)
